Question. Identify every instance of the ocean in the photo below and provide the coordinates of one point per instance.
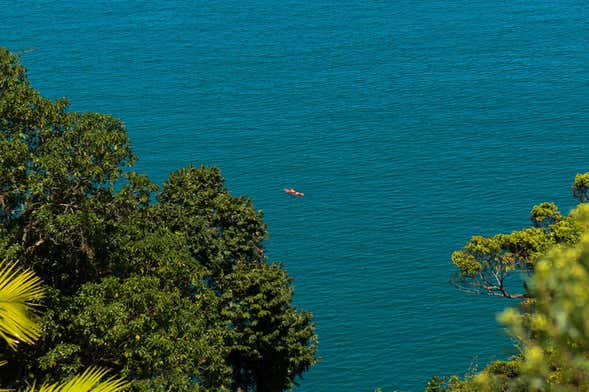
(409, 125)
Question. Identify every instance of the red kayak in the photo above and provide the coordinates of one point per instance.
(291, 191)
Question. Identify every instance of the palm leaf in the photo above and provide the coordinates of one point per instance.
(17, 289)
(89, 381)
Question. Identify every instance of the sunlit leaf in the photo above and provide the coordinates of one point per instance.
(89, 381)
(17, 290)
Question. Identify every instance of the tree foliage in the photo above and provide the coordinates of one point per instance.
(553, 334)
(139, 280)
(498, 265)
(551, 327)
(580, 187)
(268, 338)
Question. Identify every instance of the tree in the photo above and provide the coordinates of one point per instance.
(221, 229)
(551, 325)
(498, 265)
(139, 281)
(161, 337)
(580, 187)
(554, 337)
(269, 341)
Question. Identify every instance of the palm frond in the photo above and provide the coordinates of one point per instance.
(89, 381)
(17, 289)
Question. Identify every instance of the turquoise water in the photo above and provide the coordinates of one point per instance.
(409, 125)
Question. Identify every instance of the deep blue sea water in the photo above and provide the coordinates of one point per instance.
(409, 125)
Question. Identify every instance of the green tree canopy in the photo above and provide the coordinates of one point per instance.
(580, 187)
(269, 338)
(498, 265)
(141, 281)
(553, 334)
(551, 326)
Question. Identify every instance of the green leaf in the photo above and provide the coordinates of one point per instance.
(89, 381)
(17, 290)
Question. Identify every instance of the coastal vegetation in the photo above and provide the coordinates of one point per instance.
(547, 265)
(19, 291)
(167, 287)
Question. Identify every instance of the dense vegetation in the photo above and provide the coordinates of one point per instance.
(19, 292)
(551, 324)
(169, 288)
